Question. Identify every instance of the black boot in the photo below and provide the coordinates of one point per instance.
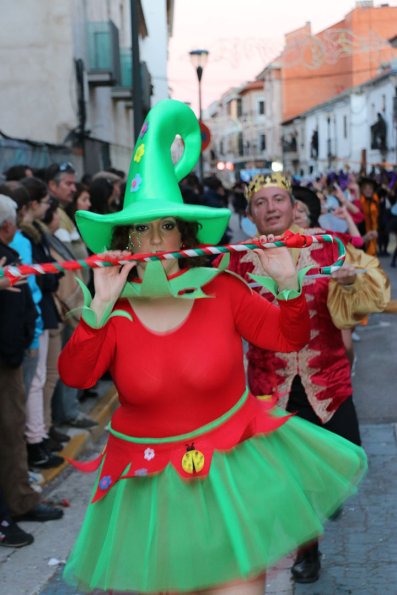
(39, 457)
(306, 568)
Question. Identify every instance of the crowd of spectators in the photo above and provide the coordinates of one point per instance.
(37, 317)
(38, 314)
(363, 207)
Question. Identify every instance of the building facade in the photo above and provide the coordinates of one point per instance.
(272, 84)
(358, 128)
(350, 52)
(66, 77)
(238, 136)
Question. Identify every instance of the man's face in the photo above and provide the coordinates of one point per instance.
(7, 231)
(367, 190)
(65, 188)
(271, 210)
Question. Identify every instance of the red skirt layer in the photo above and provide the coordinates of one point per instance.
(124, 458)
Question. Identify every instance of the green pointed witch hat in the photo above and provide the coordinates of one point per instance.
(152, 189)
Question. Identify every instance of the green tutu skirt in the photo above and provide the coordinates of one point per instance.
(260, 501)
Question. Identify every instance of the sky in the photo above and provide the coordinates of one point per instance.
(242, 36)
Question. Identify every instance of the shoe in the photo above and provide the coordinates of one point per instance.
(306, 568)
(356, 337)
(51, 445)
(57, 435)
(36, 480)
(51, 462)
(36, 455)
(88, 393)
(39, 457)
(13, 536)
(84, 423)
(41, 513)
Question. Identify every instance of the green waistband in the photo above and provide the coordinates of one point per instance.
(202, 430)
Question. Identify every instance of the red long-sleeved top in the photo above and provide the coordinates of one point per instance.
(174, 382)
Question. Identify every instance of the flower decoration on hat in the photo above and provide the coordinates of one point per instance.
(135, 183)
(144, 129)
(260, 181)
(139, 153)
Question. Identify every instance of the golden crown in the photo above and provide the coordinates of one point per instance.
(264, 181)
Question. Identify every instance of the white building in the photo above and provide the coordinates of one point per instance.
(272, 84)
(238, 139)
(66, 75)
(357, 128)
(222, 118)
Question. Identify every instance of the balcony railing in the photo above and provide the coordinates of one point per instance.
(123, 90)
(125, 68)
(103, 53)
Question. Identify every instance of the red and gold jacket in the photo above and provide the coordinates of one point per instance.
(322, 364)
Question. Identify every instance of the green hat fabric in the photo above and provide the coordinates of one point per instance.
(152, 189)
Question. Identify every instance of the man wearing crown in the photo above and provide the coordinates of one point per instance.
(315, 382)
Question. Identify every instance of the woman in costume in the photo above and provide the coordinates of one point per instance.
(201, 486)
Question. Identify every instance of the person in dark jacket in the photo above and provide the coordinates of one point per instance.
(17, 323)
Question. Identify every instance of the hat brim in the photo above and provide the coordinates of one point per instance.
(97, 230)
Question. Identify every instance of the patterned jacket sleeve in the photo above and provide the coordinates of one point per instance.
(368, 294)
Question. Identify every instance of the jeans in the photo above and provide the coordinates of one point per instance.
(65, 404)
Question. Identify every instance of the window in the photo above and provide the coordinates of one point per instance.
(240, 144)
(261, 107)
(239, 108)
(262, 142)
(344, 126)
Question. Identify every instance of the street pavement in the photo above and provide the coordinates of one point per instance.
(359, 550)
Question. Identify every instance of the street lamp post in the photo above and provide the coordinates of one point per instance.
(199, 60)
(136, 72)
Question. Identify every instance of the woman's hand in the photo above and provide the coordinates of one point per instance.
(278, 264)
(109, 281)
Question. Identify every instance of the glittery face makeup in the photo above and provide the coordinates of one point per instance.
(134, 241)
(160, 235)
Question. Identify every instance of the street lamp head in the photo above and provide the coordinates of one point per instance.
(199, 58)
